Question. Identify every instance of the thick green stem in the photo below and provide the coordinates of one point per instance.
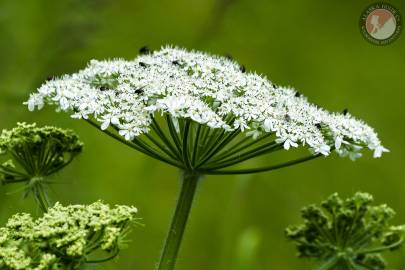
(179, 221)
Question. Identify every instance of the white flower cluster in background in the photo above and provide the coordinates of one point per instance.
(211, 90)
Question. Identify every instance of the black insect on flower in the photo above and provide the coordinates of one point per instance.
(139, 91)
(345, 111)
(144, 50)
(142, 64)
(32, 154)
(242, 68)
(179, 63)
(229, 57)
(347, 234)
(297, 94)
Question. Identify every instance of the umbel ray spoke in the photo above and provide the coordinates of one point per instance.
(173, 134)
(261, 150)
(137, 145)
(160, 146)
(158, 130)
(241, 145)
(196, 144)
(222, 140)
(187, 138)
(263, 169)
(186, 157)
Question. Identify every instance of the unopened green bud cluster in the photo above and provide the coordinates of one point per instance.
(65, 237)
(36, 151)
(347, 234)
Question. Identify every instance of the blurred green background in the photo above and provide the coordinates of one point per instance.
(237, 222)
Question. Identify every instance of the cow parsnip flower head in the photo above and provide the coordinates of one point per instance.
(347, 234)
(211, 98)
(65, 237)
(31, 154)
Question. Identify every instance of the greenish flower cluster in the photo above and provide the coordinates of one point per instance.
(347, 234)
(31, 154)
(65, 237)
(40, 151)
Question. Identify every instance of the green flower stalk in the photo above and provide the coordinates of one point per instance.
(32, 154)
(347, 234)
(65, 238)
(203, 114)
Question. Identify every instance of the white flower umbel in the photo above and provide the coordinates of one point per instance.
(201, 113)
(206, 90)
